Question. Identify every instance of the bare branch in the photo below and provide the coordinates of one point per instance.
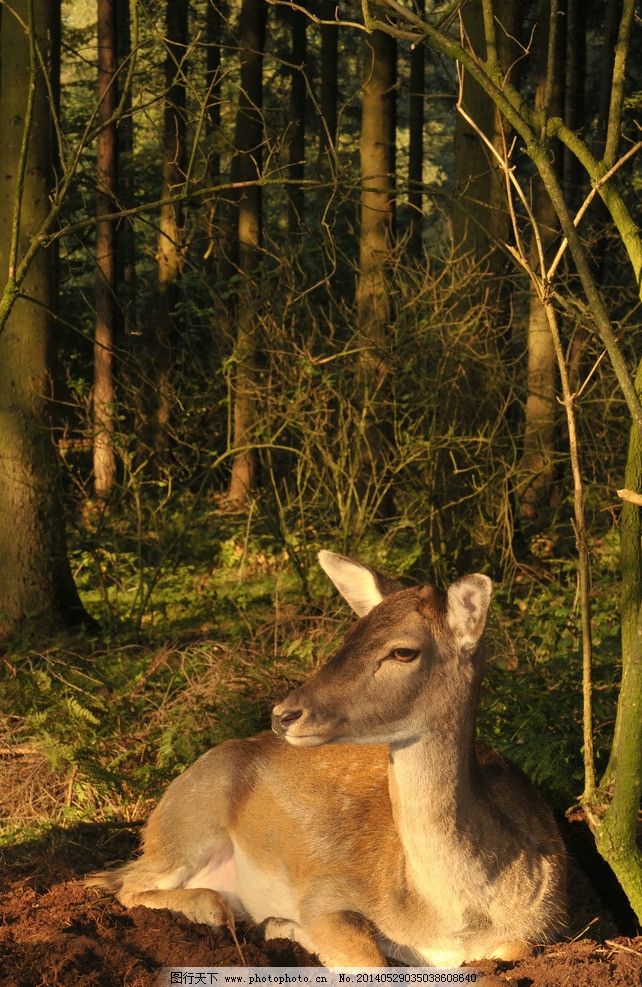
(617, 86)
(630, 496)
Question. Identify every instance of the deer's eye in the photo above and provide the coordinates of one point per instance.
(404, 654)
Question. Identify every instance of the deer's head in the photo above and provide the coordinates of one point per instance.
(411, 661)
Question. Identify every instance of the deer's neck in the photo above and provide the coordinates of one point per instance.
(435, 806)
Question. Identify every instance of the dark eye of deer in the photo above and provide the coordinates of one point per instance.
(404, 654)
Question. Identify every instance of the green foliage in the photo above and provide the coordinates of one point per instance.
(532, 706)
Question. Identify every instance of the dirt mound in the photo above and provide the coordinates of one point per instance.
(69, 936)
(55, 932)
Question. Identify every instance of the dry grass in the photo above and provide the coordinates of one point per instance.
(31, 791)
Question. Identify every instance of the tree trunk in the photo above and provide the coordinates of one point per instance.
(377, 152)
(36, 585)
(575, 183)
(574, 94)
(296, 145)
(416, 145)
(215, 21)
(599, 213)
(329, 81)
(125, 236)
(376, 237)
(610, 31)
(615, 828)
(169, 256)
(480, 214)
(539, 445)
(247, 165)
(106, 306)
(631, 584)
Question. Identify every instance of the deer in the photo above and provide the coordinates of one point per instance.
(368, 824)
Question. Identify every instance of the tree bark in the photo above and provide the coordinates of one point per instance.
(630, 566)
(376, 238)
(574, 94)
(169, 255)
(104, 397)
(214, 29)
(215, 21)
(328, 99)
(36, 586)
(615, 827)
(611, 20)
(416, 145)
(377, 154)
(296, 145)
(125, 232)
(480, 215)
(539, 445)
(247, 165)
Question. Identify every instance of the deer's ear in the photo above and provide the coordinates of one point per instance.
(360, 586)
(468, 601)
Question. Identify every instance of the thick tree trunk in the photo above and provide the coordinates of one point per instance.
(296, 145)
(631, 585)
(247, 165)
(416, 145)
(169, 255)
(539, 441)
(615, 828)
(104, 412)
(480, 224)
(480, 214)
(35, 577)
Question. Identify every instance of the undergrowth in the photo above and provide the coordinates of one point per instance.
(98, 726)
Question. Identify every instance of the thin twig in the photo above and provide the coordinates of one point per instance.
(590, 374)
(617, 82)
(625, 949)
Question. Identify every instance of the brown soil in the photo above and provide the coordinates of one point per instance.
(54, 932)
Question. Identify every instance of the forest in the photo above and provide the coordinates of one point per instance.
(279, 276)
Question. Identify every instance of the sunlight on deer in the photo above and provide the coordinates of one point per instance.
(369, 823)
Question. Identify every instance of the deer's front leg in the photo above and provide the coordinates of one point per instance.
(343, 938)
(196, 904)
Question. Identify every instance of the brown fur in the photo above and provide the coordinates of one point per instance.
(426, 847)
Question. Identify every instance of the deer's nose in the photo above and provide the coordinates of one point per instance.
(282, 720)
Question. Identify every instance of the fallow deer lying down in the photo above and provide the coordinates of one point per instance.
(368, 823)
